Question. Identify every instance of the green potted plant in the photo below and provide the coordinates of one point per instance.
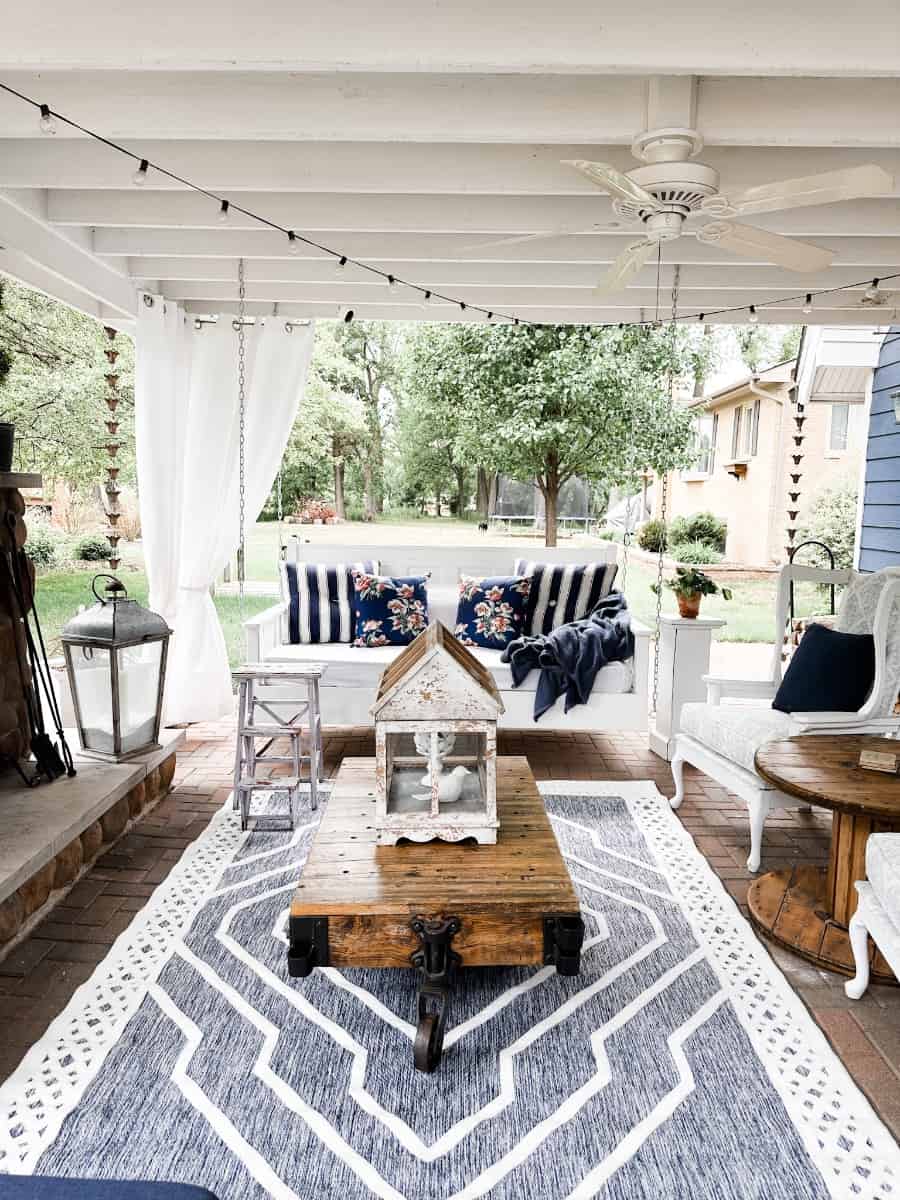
(690, 586)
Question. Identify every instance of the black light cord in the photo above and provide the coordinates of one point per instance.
(229, 206)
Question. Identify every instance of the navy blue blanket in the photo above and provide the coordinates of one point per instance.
(570, 656)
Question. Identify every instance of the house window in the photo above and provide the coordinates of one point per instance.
(736, 432)
(838, 428)
(745, 431)
(705, 432)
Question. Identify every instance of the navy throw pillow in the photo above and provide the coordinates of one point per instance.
(563, 592)
(829, 672)
(389, 612)
(320, 600)
(491, 612)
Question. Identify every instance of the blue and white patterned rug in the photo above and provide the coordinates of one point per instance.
(679, 1064)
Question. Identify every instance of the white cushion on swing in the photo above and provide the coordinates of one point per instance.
(736, 731)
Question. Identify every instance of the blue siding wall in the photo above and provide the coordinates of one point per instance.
(880, 534)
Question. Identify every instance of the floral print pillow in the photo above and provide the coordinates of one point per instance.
(389, 612)
(491, 612)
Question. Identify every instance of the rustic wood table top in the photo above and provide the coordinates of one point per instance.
(824, 770)
(500, 892)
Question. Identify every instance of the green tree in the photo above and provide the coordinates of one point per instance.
(361, 359)
(53, 390)
(554, 401)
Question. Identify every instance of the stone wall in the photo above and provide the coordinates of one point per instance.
(21, 911)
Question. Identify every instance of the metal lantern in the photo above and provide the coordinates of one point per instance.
(116, 662)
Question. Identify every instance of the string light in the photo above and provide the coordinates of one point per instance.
(462, 306)
(223, 212)
(293, 244)
(393, 285)
(754, 315)
(348, 316)
(872, 295)
(426, 299)
(139, 178)
(340, 264)
(489, 317)
(47, 124)
(807, 304)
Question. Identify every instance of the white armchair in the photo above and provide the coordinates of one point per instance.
(721, 737)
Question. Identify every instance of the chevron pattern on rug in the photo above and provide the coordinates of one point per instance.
(678, 1064)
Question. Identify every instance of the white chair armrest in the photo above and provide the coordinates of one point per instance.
(845, 722)
(264, 631)
(718, 687)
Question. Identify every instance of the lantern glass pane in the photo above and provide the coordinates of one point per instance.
(138, 694)
(93, 686)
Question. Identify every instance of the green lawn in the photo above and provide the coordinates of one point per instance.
(59, 594)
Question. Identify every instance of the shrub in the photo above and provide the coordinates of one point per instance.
(694, 553)
(611, 535)
(42, 546)
(831, 519)
(652, 536)
(93, 547)
(700, 527)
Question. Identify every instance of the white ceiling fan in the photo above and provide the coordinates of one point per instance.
(669, 191)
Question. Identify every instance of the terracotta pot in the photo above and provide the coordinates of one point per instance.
(689, 606)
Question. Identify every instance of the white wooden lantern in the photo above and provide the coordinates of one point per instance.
(436, 744)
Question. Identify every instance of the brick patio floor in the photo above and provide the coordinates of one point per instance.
(38, 978)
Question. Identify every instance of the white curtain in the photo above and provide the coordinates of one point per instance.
(187, 437)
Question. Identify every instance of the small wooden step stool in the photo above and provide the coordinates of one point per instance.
(304, 717)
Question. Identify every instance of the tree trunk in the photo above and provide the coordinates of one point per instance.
(369, 497)
(437, 502)
(460, 473)
(340, 510)
(484, 492)
(550, 489)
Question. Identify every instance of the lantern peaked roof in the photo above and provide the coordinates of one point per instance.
(434, 648)
(116, 621)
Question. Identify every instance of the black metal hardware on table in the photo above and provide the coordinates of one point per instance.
(438, 962)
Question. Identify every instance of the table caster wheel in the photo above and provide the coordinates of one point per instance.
(429, 1044)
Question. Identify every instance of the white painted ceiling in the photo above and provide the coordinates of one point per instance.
(407, 132)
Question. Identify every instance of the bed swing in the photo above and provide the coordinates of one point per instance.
(621, 700)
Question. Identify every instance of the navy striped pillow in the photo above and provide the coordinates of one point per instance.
(563, 592)
(320, 600)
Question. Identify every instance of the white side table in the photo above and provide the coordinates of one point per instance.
(684, 646)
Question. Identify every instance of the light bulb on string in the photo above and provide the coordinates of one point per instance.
(753, 315)
(393, 285)
(489, 317)
(462, 306)
(340, 265)
(139, 178)
(872, 294)
(348, 316)
(293, 244)
(426, 299)
(807, 304)
(47, 124)
(223, 212)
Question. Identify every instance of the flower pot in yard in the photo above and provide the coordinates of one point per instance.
(689, 606)
(7, 438)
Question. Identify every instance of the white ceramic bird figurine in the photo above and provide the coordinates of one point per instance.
(450, 786)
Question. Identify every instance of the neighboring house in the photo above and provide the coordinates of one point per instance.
(878, 540)
(745, 441)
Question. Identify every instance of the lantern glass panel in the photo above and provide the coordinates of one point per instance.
(138, 693)
(93, 686)
(463, 781)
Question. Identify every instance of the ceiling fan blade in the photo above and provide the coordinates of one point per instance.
(751, 242)
(615, 182)
(559, 231)
(627, 265)
(849, 183)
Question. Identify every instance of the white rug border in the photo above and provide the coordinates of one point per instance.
(839, 1093)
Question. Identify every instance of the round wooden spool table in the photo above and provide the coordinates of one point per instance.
(807, 908)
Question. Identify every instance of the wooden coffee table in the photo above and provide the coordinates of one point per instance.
(807, 909)
(435, 906)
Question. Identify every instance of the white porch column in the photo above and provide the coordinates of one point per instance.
(684, 648)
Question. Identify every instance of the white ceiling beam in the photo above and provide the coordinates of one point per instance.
(308, 212)
(432, 248)
(233, 167)
(416, 107)
(727, 276)
(577, 315)
(25, 231)
(509, 299)
(768, 37)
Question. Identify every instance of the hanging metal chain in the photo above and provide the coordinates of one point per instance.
(242, 482)
(664, 491)
(280, 504)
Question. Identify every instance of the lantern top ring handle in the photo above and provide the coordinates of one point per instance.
(115, 589)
